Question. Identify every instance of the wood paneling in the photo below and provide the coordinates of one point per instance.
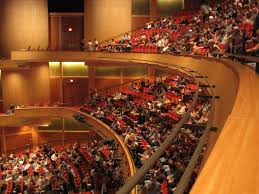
(140, 7)
(192, 5)
(55, 138)
(23, 23)
(105, 19)
(101, 83)
(233, 162)
(18, 142)
(76, 92)
(55, 85)
(169, 7)
(54, 29)
(71, 40)
(71, 94)
(153, 9)
(22, 87)
(139, 21)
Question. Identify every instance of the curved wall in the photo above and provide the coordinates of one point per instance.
(23, 23)
(220, 73)
(105, 19)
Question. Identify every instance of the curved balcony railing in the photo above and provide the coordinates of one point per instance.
(133, 181)
(99, 127)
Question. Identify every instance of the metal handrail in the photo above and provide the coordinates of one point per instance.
(133, 181)
(185, 179)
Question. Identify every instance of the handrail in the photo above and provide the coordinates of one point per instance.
(202, 139)
(247, 57)
(133, 181)
(185, 179)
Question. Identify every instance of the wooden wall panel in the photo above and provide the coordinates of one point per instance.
(105, 19)
(192, 5)
(54, 37)
(55, 90)
(76, 92)
(140, 7)
(101, 83)
(23, 23)
(18, 142)
(153, 9)
(71, 40)
(17, 130)
(139, 21)
(169, 7)
(30, 86)
(44, 137)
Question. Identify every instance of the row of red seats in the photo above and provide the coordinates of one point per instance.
(171, 96)
(149, 33)
(9, 187)
(76, 177)
(138, 94)
(87, 156)
(203, 51)
(173, 116)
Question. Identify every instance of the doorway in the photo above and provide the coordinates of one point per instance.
(71, 94)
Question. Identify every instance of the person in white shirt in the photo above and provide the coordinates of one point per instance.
(54, 157)
(90, 46)
(182, 110)
(127, 37)
(96, 44)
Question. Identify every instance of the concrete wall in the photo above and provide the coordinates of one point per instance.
(23, 23)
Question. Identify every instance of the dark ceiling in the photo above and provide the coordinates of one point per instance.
(66, 5)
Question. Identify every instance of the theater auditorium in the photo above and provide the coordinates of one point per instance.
(129, 96)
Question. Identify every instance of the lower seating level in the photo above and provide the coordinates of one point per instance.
(88, 167)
